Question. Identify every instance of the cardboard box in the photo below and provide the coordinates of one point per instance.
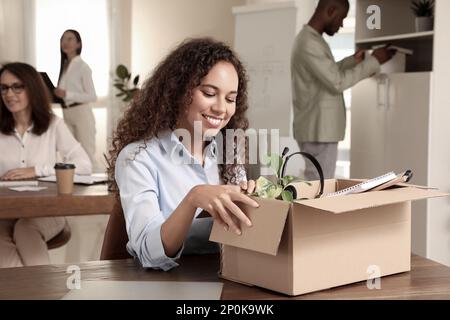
(316, 244)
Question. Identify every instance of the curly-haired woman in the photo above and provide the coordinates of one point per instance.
(166, 161)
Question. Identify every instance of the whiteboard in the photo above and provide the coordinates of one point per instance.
(264, 35)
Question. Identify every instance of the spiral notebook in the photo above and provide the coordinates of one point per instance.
(366, 185)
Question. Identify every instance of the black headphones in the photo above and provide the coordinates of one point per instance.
(314, 161)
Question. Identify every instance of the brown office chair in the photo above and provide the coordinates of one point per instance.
(116, 237)
(60, 239)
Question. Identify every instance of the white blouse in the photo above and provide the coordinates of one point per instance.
(78, 83)
(41, 151)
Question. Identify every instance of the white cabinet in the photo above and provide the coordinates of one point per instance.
(402, 120)
(390, 125)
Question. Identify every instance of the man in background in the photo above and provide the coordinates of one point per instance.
(318, 83)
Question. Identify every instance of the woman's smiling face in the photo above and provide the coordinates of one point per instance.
(213, 101)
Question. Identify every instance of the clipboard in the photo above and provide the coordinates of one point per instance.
(51, 88)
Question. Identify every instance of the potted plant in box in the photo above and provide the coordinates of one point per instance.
(280, 187)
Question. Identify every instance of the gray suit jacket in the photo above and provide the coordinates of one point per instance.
(318, 83)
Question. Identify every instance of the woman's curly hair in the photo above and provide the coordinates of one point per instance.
(159, 103)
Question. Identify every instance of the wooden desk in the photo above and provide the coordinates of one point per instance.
(85, 200)
(427, 280)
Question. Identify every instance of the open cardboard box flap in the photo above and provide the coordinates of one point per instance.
(265, 234)
(270, 218)
(353, 202)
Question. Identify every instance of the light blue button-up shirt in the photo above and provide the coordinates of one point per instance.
(152, 183)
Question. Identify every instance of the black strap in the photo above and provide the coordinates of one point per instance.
(314, 162)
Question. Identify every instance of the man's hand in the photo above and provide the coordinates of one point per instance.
(359, 55)
(384, 54)
(60, 93)
(19, 174)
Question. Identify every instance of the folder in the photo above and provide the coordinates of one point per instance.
(51, 88)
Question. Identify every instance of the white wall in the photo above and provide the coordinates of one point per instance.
(11, 19)
(157, 26)
(248, 16)
(438, 220)
(120, 39)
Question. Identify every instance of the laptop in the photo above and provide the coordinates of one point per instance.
(51, 88)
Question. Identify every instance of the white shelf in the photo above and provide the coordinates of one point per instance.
(415, 35)
(252, 8)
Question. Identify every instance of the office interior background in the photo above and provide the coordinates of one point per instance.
(138, 33)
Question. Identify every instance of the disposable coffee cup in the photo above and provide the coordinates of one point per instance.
(64, 177)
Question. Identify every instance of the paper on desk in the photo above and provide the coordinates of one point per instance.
(81, 179)
(19, 183)
(146, 290)
(27, 188)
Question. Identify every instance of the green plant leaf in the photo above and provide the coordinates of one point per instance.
(423, 8)
(274, 191)
(276, 162)
(287, 196)
(122, 71)
(287, 179)
(263, 185)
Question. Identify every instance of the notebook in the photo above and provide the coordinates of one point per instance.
(398, 49)
(401, 178)
(146, 290)
(366, 185)
(51, 88)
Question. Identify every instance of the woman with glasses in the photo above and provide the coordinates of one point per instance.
(30, 138)
(76, 88)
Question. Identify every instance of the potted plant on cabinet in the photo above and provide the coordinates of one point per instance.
(424, 12)
(122, 84)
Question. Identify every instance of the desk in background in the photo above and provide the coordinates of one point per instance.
(427, 280)
(85, 200)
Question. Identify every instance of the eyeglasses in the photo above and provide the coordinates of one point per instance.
(16, 88)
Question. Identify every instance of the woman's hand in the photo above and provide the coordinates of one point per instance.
(19, 174)
(219, 201)
(60, 93)
(248, 186)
